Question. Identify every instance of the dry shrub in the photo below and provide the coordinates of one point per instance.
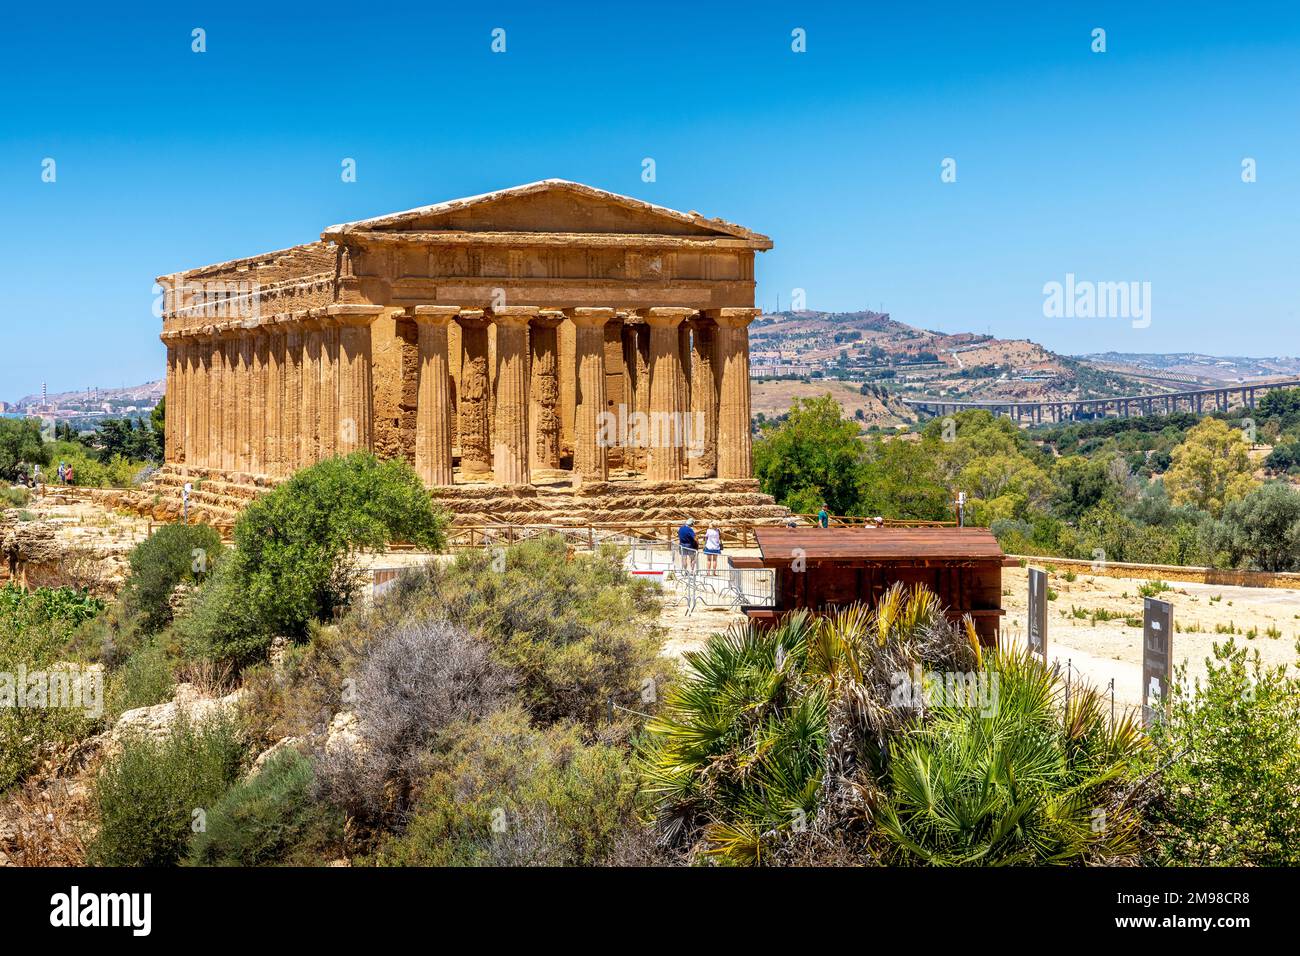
(411, 683)
(51, 825)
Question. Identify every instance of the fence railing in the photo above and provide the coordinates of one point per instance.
(736, 533)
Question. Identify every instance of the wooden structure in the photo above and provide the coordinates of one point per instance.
(824, 568)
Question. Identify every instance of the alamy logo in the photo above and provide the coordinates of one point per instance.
(69, 687)
(73, 909)
(213, 299)
(653, 430)
(1085, 299)
(963, 690)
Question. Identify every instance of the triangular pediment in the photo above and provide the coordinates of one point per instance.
(549, 206)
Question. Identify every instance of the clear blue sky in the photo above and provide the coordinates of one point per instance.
(1117, 166)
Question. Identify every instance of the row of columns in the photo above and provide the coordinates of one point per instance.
(680, 363)
(270, 397)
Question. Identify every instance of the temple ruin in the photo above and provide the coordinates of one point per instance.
(550, 335)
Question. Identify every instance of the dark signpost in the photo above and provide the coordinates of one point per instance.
(1157, 654)
(1038, 612)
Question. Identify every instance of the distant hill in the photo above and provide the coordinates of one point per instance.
(147, 394)
(874, 347)
(1196, 367)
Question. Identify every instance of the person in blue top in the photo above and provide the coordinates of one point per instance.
(689, 546)
(823, 517)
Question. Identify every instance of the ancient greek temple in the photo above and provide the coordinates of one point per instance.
(531, 334)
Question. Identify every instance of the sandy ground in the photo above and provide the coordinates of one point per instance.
(1102, 650)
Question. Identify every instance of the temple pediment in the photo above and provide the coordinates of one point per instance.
(550, 206)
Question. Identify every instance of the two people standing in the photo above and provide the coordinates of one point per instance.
(689, 545)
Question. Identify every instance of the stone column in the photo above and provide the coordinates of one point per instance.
(510, 452)
(170, 340)
(354, 429)
(259, 410)
(433, 404)
(274, 398)
(293, 420)
(641, 347)
(734, 444)
(311, 379)
(665, 462)
(544, 392)
(684, 422)
(229, 395)
(244, 399)
(216, 383)
(702, 458)
(193, 396)
(475, 434)
(590, 451)
(329, 386)
(203, 389)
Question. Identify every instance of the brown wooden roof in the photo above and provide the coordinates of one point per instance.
(877, 544)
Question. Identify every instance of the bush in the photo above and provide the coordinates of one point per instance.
(1016, 783)
(220, 624)
(411, 684)
(505, 794)
(269, 819)
(579, 630)
(1228, 764)
(172, 555)
(91, 469)
(35, 628)
(294, 549)
(879, 735)
(148, 796)
(15, 496)
(143, 680)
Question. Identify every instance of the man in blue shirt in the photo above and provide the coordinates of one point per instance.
(823, 517)
(688, 544)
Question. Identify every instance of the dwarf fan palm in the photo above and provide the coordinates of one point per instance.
(1014, 782)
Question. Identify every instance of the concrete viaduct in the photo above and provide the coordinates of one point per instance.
(1127, 406)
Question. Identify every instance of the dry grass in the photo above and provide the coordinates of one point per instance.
(51, 824)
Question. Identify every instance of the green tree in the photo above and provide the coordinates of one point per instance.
(814, 456)
(901, 480)
(21, 443)
(1282, 404)
(991, 460)
(1210, 468)
(1264, 528)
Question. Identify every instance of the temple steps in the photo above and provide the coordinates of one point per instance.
(217, 498)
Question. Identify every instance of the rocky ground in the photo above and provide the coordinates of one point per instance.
(59, 540)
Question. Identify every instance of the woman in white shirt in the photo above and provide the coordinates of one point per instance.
(712, 547)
